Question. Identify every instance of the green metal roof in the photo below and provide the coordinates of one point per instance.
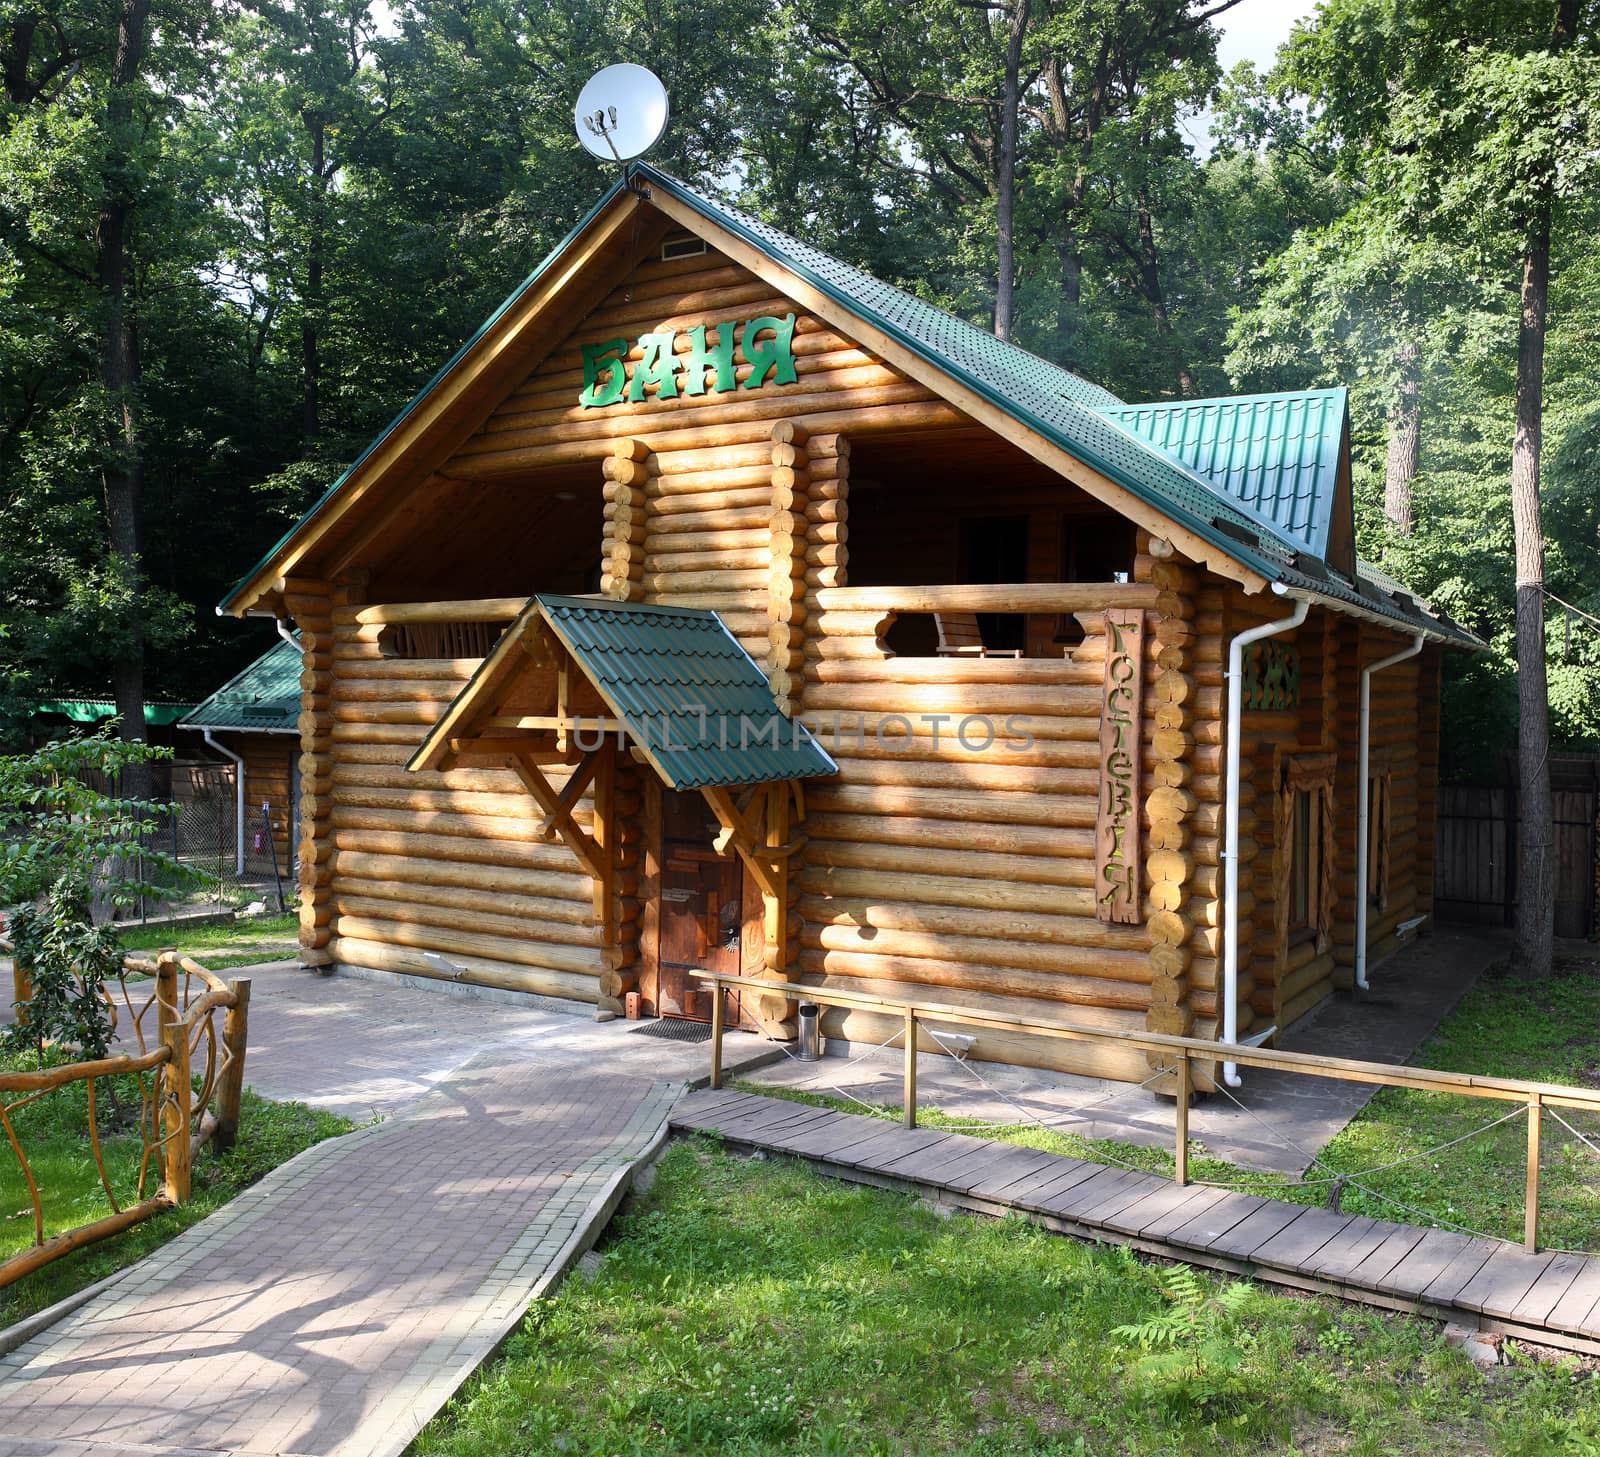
(689, 694)
(1059, 406)
(93, 710)
(1276, 454)
(264, 698)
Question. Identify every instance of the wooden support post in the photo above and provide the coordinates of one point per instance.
(1530, 1231)
(177, 1098)
(166, 993)
(717, 996)
(909, 1091)
(1180, 1155)
(230, 1085)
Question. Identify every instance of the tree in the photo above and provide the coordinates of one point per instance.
(1475, 124)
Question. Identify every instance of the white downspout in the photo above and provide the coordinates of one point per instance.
(1363, 811)
(1230, 851)
(238, 786)
(287, 634)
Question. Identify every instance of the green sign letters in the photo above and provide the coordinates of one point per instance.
(765, 344)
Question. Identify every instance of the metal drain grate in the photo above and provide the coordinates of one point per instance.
(674, 1029)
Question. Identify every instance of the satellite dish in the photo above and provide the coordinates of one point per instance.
(621, 113)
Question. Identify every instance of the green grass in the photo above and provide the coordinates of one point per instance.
(54, 1134)
(1547, 1031)
(748, 1307)
(258, 934)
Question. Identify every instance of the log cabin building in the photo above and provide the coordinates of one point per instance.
(719, 605)
(253, 723)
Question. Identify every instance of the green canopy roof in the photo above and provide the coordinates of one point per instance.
(93, 710)
(695, 703)
(264, 698)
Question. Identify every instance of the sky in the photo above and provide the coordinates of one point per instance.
(1251, 31)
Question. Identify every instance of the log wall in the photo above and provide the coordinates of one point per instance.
(268, 778)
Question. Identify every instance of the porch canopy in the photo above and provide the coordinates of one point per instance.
(575, 678)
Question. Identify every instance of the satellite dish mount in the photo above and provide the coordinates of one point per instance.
(621, 113)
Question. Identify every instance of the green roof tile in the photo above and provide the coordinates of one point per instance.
(686, 690)
(264, 698)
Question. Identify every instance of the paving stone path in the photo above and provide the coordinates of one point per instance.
(335, 1306)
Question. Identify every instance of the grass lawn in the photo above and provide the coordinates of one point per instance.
(224, 945)
(750, 1307)
(53, 1133)
(1545, 1031)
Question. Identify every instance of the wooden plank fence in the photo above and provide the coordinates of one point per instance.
(1475, 861)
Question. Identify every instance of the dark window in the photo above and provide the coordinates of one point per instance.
(1097, 549)
(1305, 864)
(994, 549)
(439, 639)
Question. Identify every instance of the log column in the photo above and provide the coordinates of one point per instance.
(1170, 805)
(628, 471)
(619, 802)
(786, 604)
(827, 554)
(781, 921)
(311, 605)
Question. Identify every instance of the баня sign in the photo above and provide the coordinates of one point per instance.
(761, 349)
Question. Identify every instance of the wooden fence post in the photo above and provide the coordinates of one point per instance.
(717, 995)
(909, 1091)
(1181, 1153)
(230, 1086)
(1530, 1229)
(177, 1097)
(166, 993)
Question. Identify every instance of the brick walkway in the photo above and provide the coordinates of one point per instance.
(335, 1306)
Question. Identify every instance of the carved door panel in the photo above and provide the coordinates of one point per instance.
(702, 911)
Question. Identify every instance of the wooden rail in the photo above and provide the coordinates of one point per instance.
(175, 1120)
(1182, 1050)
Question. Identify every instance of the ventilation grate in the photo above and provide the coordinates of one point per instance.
(674, 1029)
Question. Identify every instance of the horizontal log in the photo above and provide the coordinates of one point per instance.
(877, 883)
(865, 917)
(579, 960)
(416, 912)
(483, 609)
(440, 823)
(954, 832)
(480, 970)
(877, 974)
(1027, 597)
(982, 949)
(1014, 870)
(495, 886)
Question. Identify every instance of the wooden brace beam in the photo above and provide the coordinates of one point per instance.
(737, 832)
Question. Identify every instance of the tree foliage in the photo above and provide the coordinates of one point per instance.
(324, 198)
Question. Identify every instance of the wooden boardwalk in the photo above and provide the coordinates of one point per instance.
(1551, 1299)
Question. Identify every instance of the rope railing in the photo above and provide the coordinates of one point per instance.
(1178, 1056)
(174, 1119)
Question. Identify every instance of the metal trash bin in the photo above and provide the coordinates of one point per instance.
(810, 1037)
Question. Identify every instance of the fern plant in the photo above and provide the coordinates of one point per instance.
(1193, 1352)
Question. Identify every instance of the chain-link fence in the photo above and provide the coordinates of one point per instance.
(201, 831)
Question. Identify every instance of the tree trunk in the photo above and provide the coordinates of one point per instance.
(1069, 252)
(1536, 903)
(1405, 437)
(1150, 287)
(1006, 180)
(119, 364)
(311, 305)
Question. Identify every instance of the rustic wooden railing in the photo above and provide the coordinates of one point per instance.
(175, 1120)
(1183, 1051)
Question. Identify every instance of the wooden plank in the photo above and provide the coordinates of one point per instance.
(1106, 1192)
(1167, 1200)
(880, 1143)
(1579, 1306)
(1163, 1225)
(771, 1123)
(1256, 1228)
(696, 1106)
(956, 1163)
(1444, 1287)
(1301, 1240)
(1025, 1164)
(1347, 1249)
(820, 1139)
(1545, 1293)
(901, 1166)
(1211, 1223)
(1032, 1192)
(1428, 1259)
(1400, 1241)
(1505, 1277)
(1013, 1162)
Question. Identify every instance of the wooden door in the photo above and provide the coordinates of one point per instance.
(702, 914)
